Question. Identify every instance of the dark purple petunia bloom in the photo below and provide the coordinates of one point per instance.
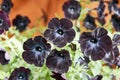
(6, 6)
(4, 57)
(101, 20)
(116, 39)
(100, 11)
(115, 19)
(113, 57)
(20, 74)
(95, 44)
(89, 22)
(101, 8)
(72, 9)
(57, 76)
(60, 31)
(112, 5)
(4, 22)
(21, 22)
(36, 50)
(58, 61)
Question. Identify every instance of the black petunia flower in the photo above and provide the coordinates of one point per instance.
(6, 6)
(72, 9)
(101, 8)
(57, 76)
(21, 22)
(113, 57)
(116, 39)
(60, 31)
(36, 50)
(100, 11)
(115, 19)
(4, 22)
(58, 61)
(111, 4)
(101, 20)
(4, 57)
(95, 44)
(89, 22)
(20, 74)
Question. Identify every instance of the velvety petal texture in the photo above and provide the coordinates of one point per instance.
(21, 22)
(115, 19)
(20, 73)
(60, 32)
(36, 50)
(72, 9)
(112, 59)
(116, 39)
(95, 44)
(89, 22)
(57, 76)
(101, 8)
(4, 22)
(6, 6)
(58, 61)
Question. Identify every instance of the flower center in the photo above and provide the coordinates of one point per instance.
(93, 40)
(60, 55)
(5, 6)
(1, 22)
(20, 76)
(39, 49)
(59, 31)
(21, 23)
(71, 9)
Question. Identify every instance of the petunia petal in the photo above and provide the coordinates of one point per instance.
(49, 35)
(66, 24)
(29, 59)
(60, 61)
(29, 44)
(60, 41)
(105, 43)
(116, 38)
(99, 32)
(69, 35)
(85, 36)
(97, 54)
(54, 23)
(1, 31)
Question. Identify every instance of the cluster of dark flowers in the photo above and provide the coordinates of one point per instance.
(95, 45)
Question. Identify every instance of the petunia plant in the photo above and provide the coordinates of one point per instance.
(66, 50)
